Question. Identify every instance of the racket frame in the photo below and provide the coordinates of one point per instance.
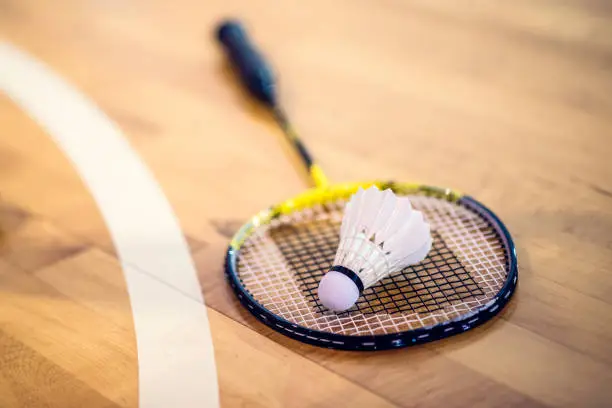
(388, 341)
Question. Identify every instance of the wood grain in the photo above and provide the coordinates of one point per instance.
(31, 380)
(243, 357)
(32, 243)
(508, 101)
(69, 335)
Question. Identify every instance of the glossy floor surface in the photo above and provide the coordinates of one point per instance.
(510, 102)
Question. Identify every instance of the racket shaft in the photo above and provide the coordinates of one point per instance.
(256, 75)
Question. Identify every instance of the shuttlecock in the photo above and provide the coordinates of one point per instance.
(380, 234)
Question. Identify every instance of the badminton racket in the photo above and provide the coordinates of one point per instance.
(275, 261)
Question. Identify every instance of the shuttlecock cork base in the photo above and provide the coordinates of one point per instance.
(380, 234)
(339, 289)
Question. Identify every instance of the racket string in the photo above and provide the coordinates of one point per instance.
(472, 245)
(282, 263)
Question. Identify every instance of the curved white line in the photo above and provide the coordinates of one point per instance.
(175, 349)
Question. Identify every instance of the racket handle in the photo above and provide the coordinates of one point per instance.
(253, 69)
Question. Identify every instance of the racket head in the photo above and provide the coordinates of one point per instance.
(276, 259)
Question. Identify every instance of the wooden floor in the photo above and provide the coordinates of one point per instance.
(510, 101)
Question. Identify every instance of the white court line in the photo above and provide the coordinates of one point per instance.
(175, 350)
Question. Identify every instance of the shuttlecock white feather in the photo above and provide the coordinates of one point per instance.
(380, 234)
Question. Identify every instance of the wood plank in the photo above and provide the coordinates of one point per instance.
(568, 23)
(252, 369)
(27, 379)
(94, 280)
(55, 191)
(256, 371)
(79, 341)
(535, 366)
(31, 243)
(53, 186)
(565, 316)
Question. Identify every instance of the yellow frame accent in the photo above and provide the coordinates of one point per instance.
(326, 193)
